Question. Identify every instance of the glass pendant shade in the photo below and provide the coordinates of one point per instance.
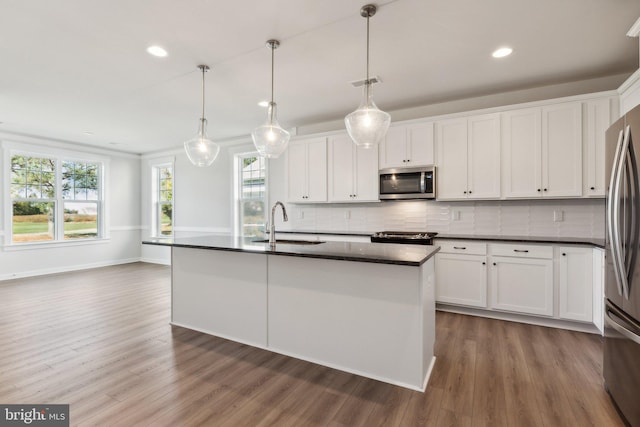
(270, 139)
(201, 151)
(368, 124)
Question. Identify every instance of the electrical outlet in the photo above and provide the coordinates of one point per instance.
(301, 214)
(347, 214)
(455, 215)
(558, 216)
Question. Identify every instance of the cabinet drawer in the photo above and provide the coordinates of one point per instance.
(461, 247)
(522, 250)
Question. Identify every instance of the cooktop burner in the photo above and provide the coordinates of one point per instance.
(411, 237)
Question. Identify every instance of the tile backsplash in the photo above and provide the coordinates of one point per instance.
(539, 218)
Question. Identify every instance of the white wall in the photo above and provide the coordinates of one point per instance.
(202, 197)
(123, 226)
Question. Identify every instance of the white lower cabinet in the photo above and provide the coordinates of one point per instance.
(575, 283)
(562, 282)
(461, 273)
(523, 285)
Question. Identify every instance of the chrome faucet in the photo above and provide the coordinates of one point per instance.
(272, 229)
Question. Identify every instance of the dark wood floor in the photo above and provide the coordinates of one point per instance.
(100, 341)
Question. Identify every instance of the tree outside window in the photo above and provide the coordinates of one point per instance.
(251, 194)
(40, 204)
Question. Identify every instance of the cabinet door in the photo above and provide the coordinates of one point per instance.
(483, 162)
(461, 279)
(562, 150)
(420, 144)
(451, 143)
(598, 120)
(575, 283)
(523, 285)
(521, 153)
(366, 175)
(341, 169)
(297, 171)
(317, 170)
(393, 148)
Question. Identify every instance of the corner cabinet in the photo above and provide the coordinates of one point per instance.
(352, 171)
(307, 170)
(407, 146)
(468, 158)
(542, 151)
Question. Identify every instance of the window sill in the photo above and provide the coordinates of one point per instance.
(51, 245)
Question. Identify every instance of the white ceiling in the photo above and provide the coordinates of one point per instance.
(75, 66)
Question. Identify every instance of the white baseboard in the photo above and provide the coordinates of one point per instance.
(65, 269)
(160, 261)
(521, 318)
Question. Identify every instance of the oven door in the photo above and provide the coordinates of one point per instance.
(409, 183)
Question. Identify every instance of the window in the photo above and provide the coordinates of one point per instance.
(54, 199)
(251, 180)
(163, 215)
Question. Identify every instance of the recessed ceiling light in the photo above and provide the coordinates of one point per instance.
(157, 51)
(88, 133)
(502, 52)
(263, 103)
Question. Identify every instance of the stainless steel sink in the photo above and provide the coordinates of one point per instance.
(291, 242)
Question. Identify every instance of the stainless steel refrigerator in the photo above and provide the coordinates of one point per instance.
(622, 281)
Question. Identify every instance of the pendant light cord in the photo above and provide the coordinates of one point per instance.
(367, 83)
(273, 48)
(204, 70)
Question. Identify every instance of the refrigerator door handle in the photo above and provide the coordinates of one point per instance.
(612, 212)
(618, 247)
(634, 209)
(627, 333)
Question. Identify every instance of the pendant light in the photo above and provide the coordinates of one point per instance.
(270, 139)
(368, 124)
(202, 151)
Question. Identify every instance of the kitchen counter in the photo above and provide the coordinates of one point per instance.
(381, 253)
(590, 241)
(373, 315)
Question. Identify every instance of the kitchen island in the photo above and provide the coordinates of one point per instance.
(365, 308)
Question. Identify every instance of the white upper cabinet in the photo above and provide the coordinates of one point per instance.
(407, 146)
(307, 170)
(542, 151)
(599, 117)
(468, 152)
(353, 171)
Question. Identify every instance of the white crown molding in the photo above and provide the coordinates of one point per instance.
(634, 31)
(632, 80)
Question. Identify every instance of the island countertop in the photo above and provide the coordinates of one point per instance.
(380, 253)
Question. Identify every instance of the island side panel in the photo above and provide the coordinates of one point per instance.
(428, 316)
(364, 318)
(221, 293)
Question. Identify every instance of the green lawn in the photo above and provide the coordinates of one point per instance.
(43, 227)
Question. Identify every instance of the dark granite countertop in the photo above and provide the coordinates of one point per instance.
(590, 241)
(381, 253)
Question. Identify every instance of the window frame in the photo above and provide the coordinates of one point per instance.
(156, 204)
(11, 149)
(237, 191)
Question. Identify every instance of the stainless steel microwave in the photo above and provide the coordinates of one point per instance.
(408, 183)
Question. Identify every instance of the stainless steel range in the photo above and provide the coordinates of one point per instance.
(407, 237)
